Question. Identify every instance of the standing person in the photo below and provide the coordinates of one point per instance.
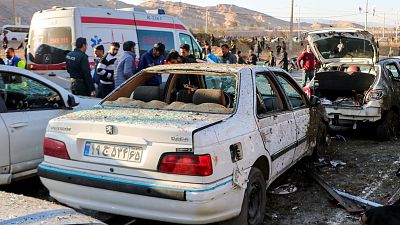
(79, 70)
(5, 40)
(13, 60)
(185, 53)
(105, 70)
(283, 59)
(153, 57)
(271, 60)
(233, 47)
(252, 58)
(98, 53)
(210, 57)
(126, 64)
(240, 58)
(309, 64)
(227, 57)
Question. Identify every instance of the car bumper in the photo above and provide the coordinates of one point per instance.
(364, 114)
(80, 189)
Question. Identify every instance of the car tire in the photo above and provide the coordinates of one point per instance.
(388, 126)
(254, 201)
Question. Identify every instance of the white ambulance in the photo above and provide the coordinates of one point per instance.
(53, 33)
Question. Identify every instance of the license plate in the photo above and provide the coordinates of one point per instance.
(111, 151)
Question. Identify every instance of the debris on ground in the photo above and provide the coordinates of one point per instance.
(284, 189)
(336, 163)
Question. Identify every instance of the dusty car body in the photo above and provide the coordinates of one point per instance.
(353, 85)
(200, 148)
(27, 102)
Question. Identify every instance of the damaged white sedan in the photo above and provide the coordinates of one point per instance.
(200, 148)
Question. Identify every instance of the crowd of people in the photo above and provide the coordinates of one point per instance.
(111, 71)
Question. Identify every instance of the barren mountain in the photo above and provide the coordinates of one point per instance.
(26, 8)
(223, 17)
(220, 17)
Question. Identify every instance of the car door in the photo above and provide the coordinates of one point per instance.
(30, 104)
(392, 70)
(297, 100)
(275, 121)
(4, 146)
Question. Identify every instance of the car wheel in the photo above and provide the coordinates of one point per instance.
(254, 201)
(388, 126)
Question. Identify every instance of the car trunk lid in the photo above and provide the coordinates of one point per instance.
(343, 46)
(129, 138)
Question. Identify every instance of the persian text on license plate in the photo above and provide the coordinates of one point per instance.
(111, 151)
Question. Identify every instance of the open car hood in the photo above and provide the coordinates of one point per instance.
(343, 46)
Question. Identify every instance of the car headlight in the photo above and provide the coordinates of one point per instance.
(374, 95)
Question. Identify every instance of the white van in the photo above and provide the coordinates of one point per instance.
(54, 31)
(15, 34)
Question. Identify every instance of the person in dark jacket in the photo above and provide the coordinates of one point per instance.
(240, 58)
(283, 59)
(79, 70)
(271, 59)
(126, 63)
(227, 57)
(153, 57)
(252, 58)
(98, 53)
(1, 61)
(185, 53)
(105, 70)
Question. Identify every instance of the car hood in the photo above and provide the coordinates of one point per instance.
(343, 46)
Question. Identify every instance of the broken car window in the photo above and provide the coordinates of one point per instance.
(182, 91)
(267, 98)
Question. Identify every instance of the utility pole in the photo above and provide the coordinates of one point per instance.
(206, 28)
(384, 24)
(15, 13)
(291, 27)
(366, 16)
(298, 26)
(397, 26)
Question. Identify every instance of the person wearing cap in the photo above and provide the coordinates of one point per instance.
(126, 66)
(79, 70)
(185, 53)
(152, 57)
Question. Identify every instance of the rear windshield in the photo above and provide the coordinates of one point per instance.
(340, 47)
(147, 39)
(50, 45)
(17, 29)
(194, 92)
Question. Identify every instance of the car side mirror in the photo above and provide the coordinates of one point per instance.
(71, 102)
(314, 100)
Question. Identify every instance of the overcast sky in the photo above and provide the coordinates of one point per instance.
(347, 10)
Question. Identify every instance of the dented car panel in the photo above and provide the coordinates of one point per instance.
(237, 117)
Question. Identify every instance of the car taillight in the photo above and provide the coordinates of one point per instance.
(186, 164)
(307, 90)
(55, 148)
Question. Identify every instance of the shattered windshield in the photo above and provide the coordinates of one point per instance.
(344, 47)
(207, 92)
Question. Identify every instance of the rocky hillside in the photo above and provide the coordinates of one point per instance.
(222, 18)
(26, 8)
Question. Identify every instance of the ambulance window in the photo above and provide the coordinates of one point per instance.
(49, 45)
(147, 38)
(194, 47)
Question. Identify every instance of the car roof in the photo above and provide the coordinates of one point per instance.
(335, 30)
(211, 67)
